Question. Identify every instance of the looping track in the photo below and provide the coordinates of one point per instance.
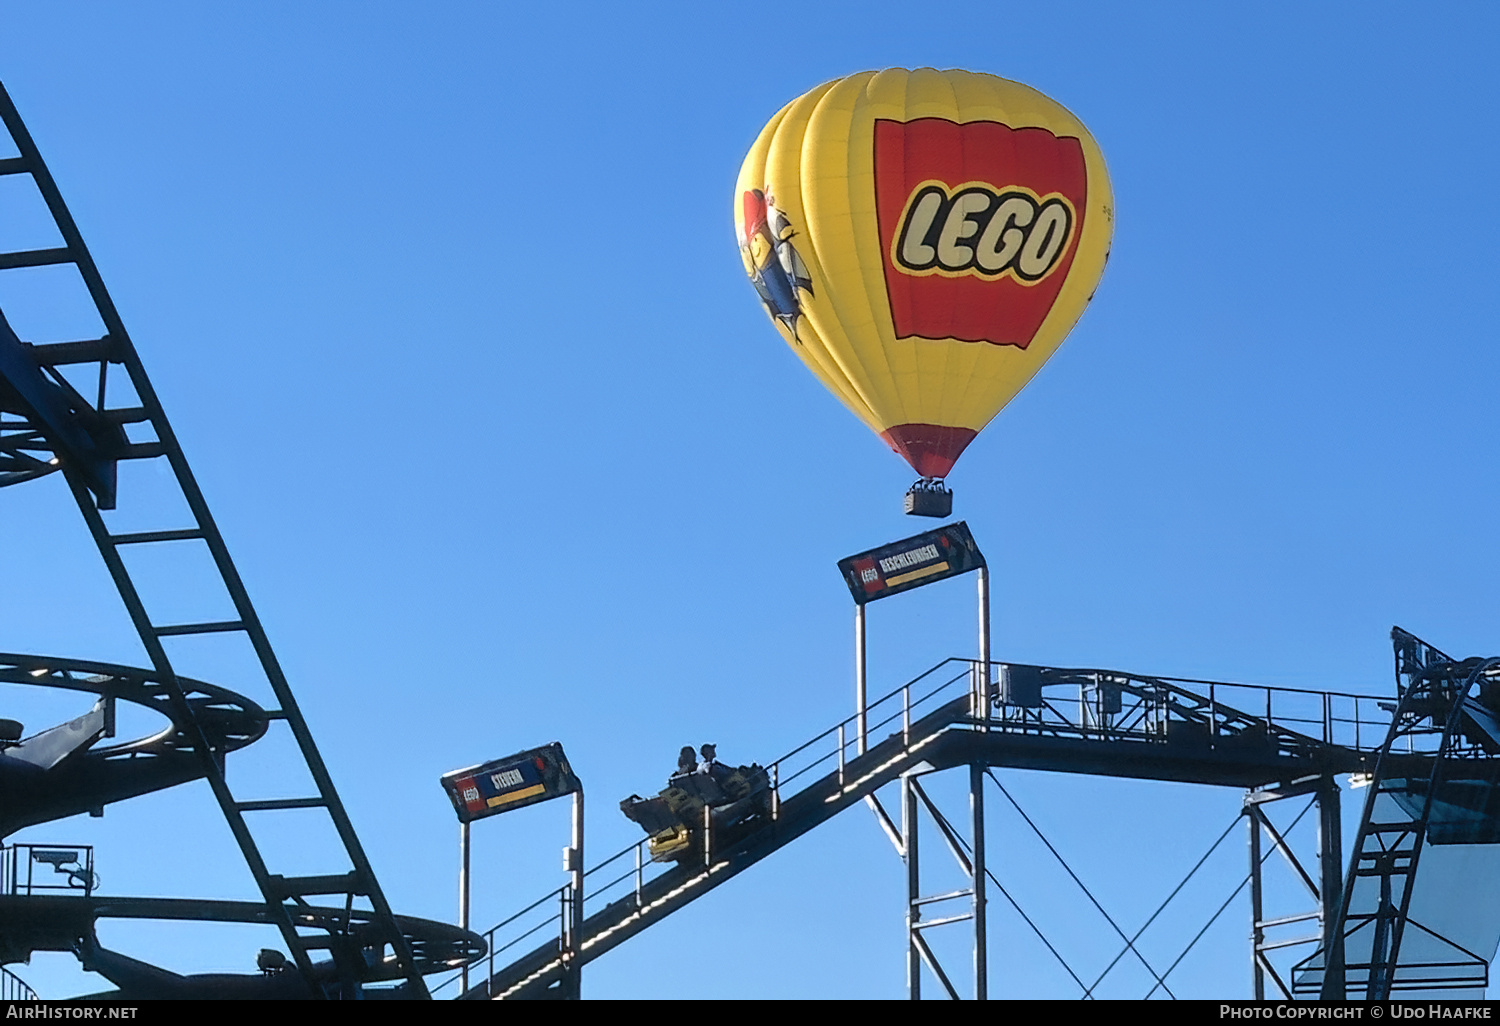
(110, 773)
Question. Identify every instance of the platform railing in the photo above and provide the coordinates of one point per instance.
(1074, 703)
(1110, 706)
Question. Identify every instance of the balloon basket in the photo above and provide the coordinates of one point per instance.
(929, 497)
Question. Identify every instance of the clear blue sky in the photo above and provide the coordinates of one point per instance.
(445, 307)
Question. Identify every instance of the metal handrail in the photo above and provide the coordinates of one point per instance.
(13, 988)
(489, 936)
(1156, 698)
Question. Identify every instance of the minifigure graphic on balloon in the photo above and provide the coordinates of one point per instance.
(771, 259)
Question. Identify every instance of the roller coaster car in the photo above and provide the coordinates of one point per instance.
(738, 797)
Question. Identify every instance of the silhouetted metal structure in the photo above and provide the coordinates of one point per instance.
(82, 407)
(1276, 743)
(1381, 943)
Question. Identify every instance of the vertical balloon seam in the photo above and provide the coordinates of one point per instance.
(901, 365)
(872, 275)
(827, 332)
(923, 84)
(857, 195)
(860, 154)
(753, 176)
(961, 87)
(821, 341)
(939, 359)
(832, 327)
(1051, 332)
(882, 103)
(1002, 363)
(851, 360)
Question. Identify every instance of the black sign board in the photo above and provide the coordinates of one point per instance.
(526, 778)
(911, 563)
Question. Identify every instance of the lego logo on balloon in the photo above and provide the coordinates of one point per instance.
(979, 222)
(978, 229)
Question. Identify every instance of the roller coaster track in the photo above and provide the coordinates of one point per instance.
(58, 922)
(88, 776)
(97, 775)
(1085, 721)
(82, 407)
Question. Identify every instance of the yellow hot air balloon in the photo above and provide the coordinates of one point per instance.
(924, 240)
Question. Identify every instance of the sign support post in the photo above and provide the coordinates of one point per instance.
(901, 566)
(463, 888)
(982, 677)
(889, 570)
(526, 778)
(860, 675)
(573, 863)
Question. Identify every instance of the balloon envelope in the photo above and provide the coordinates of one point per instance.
(924, 240)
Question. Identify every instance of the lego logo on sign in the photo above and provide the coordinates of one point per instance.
(471, 794)
(979, 230)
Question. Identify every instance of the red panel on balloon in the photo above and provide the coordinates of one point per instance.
(931, 449)
(979, 224)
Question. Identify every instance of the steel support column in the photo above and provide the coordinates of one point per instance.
(1325, 891)
(913, 886)
(1257, 910)
(1331, 871)
(970, 857)
(981, 945)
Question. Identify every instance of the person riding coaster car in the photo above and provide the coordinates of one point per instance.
(736, 797)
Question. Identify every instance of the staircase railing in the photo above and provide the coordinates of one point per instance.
(13, 988)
